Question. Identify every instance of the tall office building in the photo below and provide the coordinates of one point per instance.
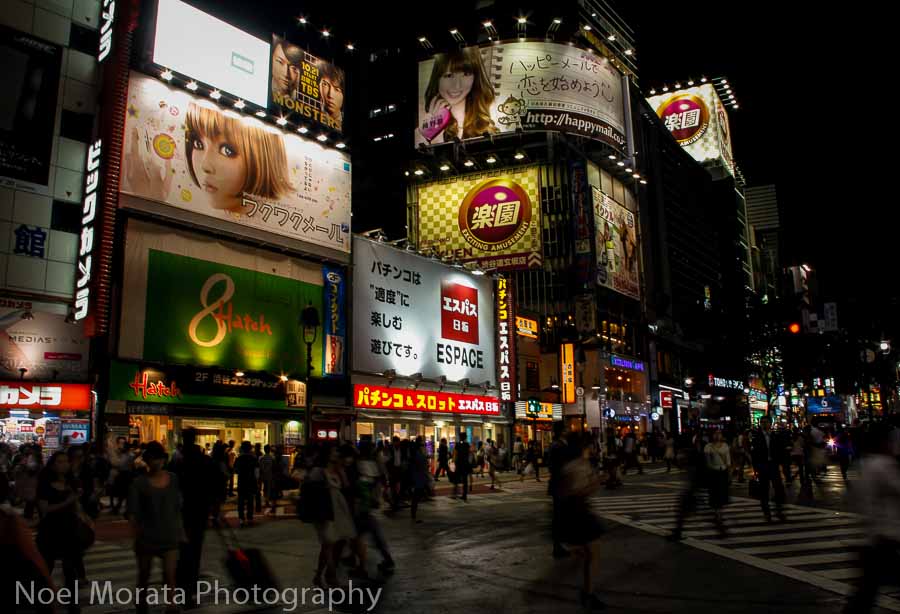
(764, 216)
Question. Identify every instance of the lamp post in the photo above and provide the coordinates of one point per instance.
(309, 320)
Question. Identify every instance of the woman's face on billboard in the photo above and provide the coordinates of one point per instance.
(455, 86)
(220, 170)
(284, 74)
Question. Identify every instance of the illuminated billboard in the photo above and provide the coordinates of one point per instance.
(307, 85)
(493, 219)
(415, 315)
(190, 154)
(209, 50)
(616, 246)
(697, 119)
(529, 86)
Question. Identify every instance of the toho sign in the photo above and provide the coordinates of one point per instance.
(205, 313)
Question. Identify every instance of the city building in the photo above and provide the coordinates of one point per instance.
(49, 110)
(764, 217)
(215, 283)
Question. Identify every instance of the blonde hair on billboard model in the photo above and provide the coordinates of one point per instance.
(263, 152)
(480, 98)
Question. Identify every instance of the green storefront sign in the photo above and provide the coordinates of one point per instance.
(143, 385)
(207, 313)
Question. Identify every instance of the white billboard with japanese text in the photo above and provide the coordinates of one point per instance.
(529, 86)
(416, 315)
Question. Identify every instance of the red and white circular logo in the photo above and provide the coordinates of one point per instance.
(495, 214)
(686, 116)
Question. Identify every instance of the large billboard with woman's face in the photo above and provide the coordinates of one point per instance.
(531, 86)
(306, 85)
(191, 154)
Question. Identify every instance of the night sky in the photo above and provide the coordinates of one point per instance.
(809, 121)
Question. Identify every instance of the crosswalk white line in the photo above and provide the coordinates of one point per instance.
(806, 546)
(845, 573)
(800, 535)
(733, 524)
(812, 559)
(767, 529)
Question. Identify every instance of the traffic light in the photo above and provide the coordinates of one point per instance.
(794, 328)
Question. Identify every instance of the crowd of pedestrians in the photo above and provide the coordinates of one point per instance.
(171, 502)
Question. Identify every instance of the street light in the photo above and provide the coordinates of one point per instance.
(309, 320)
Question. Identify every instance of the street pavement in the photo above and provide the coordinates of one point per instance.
(493, 553)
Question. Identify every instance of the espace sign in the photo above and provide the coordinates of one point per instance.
(416, 315)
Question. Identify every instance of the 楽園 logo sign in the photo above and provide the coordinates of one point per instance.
(495, 214)
(686, 116)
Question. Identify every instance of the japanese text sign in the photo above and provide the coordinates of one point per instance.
(526, 327)
(190, 154)
(697, 119)
(493, 220)
(415, 315)
(524, 86)
(506, 342)
(616, 246)
(398, 399)
(567, 372)
(23, 395)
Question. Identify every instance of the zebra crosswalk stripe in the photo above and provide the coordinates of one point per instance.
(816, 546)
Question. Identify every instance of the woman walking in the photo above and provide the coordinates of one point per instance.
(334, 526)
(582, 528)
(669, 454)
(718, 467)
(57, 538)
(154, 511)
(418, 468)
(492, 457)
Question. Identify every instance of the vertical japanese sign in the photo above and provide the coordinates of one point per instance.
(506, 343)
(335, 321)
(567, 372)
(584, 225)
(86, 244)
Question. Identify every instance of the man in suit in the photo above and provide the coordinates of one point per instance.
(462, 460)
(765, 455)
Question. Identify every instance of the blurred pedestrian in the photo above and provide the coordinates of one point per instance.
(582, 528)
(692, 460)
(26, 476)
(20, 557)
(559, 456)
(257, 496)
(718, 469)
(798, 455)
(246, 467)
(369, 481)
(199, 482)
(231, 456)
(57, 537)
(531, 463)
(518, 451)
(418, 467)
(154, 511)
(492, 458)
(334, 525)
(266, 462)
(764, 453)
(462, 461)
(844, 450)
(879, 497)
(443, 460)
(669, 454)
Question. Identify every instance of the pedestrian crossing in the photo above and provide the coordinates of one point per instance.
(115, 563)
(818, 546)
